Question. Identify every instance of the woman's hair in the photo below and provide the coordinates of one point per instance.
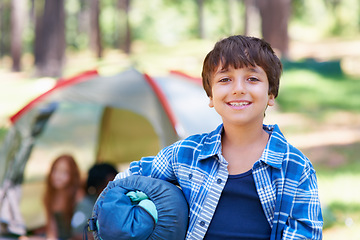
(71, 188)
(242, 51)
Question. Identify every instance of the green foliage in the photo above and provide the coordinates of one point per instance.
(77, 25)
(218, 22)
(110, 21)
(170, 21)
(156, 21)
(320, 19)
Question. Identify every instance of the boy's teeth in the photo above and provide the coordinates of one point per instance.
(239, 103)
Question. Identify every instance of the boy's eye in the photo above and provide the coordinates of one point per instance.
(253, 79)
(224, 80)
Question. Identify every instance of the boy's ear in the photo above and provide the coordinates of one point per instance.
(271, 101)
(211, 104)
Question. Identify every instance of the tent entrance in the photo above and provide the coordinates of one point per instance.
(110, 135)
(125, 136)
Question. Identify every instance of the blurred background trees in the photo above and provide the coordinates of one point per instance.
(49, 41)
(47, 29)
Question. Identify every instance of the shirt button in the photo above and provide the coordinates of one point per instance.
(202, 223)
(219, 181)
(190, 176)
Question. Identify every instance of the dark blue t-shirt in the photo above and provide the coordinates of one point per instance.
(239, 214)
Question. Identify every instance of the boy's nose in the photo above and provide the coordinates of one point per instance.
(239, 87)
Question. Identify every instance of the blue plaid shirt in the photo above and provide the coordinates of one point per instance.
(285, 181)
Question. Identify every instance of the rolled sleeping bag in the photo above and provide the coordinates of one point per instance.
(140, 208)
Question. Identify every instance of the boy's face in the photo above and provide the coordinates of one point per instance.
(241, 96)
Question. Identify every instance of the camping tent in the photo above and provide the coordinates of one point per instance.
(116, 119)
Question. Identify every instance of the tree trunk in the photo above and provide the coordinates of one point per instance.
(5, 23)
(17, 26)
(83, 17)
(231, 16)
(50, 39)
(125, 6)
(95, 31)
(201, 30)
(274, 19)
(252, 19)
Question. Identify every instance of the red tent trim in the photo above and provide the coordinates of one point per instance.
(196, 80)
(161, 96)
(60, 84)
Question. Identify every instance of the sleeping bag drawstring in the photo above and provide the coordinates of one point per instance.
(85, 230)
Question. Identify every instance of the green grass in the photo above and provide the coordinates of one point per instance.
(316, 91)
(314, 94)
(339, 195)
(345, 213)
(339, 187)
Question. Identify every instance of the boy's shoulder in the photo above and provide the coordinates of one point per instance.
(278, 143)
(206, 143)
(281, 145)
(203, 138)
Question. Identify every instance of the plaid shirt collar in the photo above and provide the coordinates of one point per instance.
(212, 145)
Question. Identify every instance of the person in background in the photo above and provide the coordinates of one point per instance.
(98, 177)
(62, 185)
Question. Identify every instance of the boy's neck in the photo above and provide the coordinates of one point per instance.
(243, 135)
(242, 147)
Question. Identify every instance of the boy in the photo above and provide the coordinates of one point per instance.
(243, 180)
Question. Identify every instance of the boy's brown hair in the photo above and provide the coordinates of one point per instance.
(242, 51)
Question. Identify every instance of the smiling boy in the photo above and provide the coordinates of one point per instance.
(243, 180)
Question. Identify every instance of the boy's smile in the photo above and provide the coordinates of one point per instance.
(241, 95)
(239, 104)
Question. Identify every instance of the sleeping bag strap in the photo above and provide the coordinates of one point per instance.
(89, 227)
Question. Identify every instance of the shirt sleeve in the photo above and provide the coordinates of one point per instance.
(160, 166)
(305, 219)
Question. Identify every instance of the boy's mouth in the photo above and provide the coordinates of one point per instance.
(239, 104)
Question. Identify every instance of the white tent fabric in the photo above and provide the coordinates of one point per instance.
(11, 217)
(189, 103)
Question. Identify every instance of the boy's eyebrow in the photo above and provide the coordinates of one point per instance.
(252, 69)
(221, 70)
(224, 70)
